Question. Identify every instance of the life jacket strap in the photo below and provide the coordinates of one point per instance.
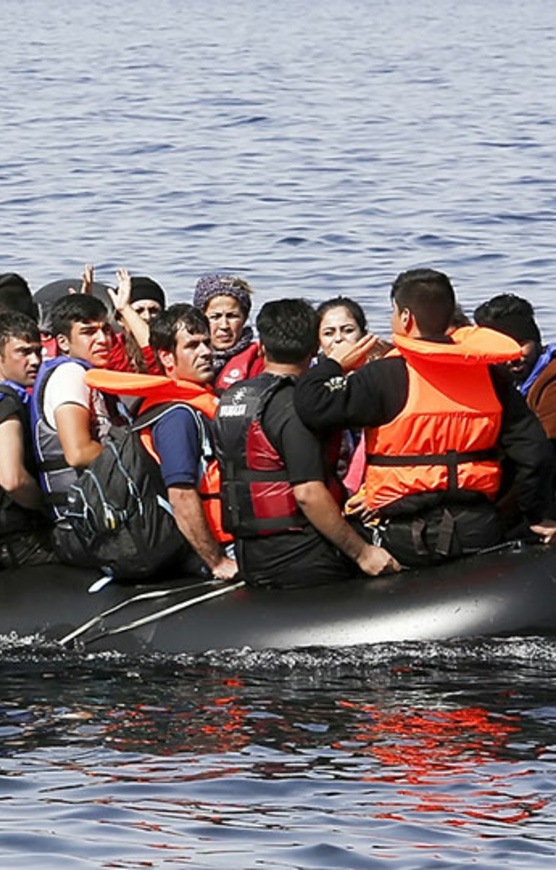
(56, 499)
(451, 459)
(249, 475)
(58, 464)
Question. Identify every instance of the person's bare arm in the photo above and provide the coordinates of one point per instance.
(323, 513)
(14, 477)
(191, 521)
(138, 327)
(73, 423)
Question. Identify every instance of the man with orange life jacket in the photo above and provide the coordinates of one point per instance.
(181, 437)
(277, 496)
(437, 414)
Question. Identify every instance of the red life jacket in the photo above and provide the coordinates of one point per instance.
(257, 497)
(247, 364)
(161, 391)
(445, 436)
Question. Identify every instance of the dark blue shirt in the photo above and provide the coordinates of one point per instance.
(183, 441)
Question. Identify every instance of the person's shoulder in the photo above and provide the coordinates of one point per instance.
(177, 411)
(65, 385)
(10, 406)
(547, 374)
(380, 371)
(178, 417)
(283, 393)
(70, 369)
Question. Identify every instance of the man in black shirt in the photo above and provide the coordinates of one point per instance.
(23, 524)
(437, 415)
(278, 487)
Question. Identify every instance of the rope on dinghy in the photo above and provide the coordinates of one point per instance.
(143, 596)
(167, 611)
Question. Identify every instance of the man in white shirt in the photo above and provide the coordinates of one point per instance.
(70, 420)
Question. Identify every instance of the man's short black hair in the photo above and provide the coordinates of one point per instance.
(75, 308)
(511, 315)
(13, 324)
(164, 330)
(429, 296)
(288, 329)
(15, 295)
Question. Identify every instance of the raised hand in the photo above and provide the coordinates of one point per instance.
(121, 297)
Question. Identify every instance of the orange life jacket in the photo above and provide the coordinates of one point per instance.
(157, 390)
(445, 436)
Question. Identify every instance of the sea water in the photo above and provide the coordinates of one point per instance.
(315, 149)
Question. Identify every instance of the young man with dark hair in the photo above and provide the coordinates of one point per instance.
(430, 297)
(436, 414)
(534, 372)
(277, 485)
(182, 435)
(70, 420)
(24, 532)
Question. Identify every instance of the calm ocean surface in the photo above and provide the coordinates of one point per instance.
(316, 149)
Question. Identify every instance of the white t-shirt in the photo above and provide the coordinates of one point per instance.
(66, 385)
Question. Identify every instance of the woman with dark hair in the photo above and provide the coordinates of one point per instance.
(340, 319)
(225, 300)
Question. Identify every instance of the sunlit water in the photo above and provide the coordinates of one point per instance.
(315, 148)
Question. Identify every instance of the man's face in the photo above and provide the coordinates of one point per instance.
(147, 309)
(90, 342)
(521, 368)
(192, 358)
(20, 361)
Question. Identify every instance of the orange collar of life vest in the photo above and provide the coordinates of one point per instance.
(469, 345)
(154, 389)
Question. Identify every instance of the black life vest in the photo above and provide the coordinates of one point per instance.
(13, 517)
(257, 497)
(55, 474)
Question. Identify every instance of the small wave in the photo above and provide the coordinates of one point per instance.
(294, 241)
(243, 122)
(537, 652)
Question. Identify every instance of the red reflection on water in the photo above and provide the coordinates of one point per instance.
(425, 748)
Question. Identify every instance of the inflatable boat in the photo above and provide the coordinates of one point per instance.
(508, 592)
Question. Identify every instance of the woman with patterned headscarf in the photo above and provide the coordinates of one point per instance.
(225, 300)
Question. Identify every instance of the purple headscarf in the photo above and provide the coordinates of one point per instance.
(222, 285)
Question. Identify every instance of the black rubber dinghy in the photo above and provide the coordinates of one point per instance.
(509, 592)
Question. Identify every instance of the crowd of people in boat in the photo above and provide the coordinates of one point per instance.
(306, 451)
